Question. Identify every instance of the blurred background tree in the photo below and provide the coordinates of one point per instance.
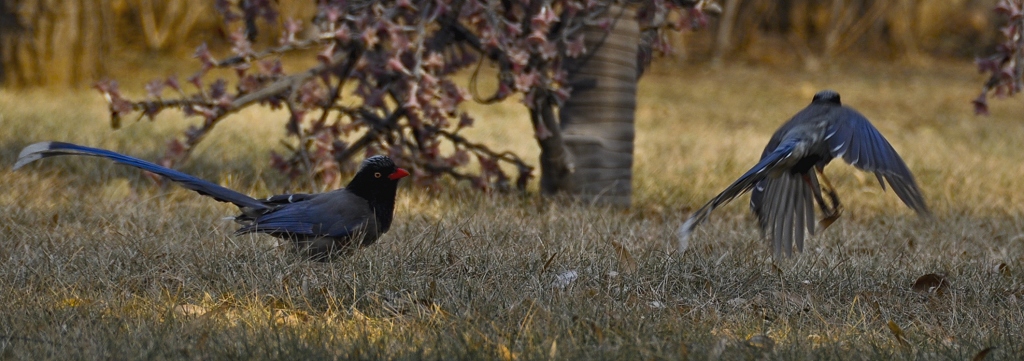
(43, 34)
(814, 31)
(55, 43)
(585, 137)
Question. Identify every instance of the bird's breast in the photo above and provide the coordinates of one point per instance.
(804, 164)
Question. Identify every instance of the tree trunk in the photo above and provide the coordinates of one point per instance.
(166, 24)
(597, 120)
(900, 20)
(59, 42)
(723, 35)
(9, 26)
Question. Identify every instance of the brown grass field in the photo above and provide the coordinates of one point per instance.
(98, 263)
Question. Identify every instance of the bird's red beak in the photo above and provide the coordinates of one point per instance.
(398, 174)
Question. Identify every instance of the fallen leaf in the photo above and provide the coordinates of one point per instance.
(189, 310)
(898, 333)
(598, 332)
(626, 262)
(1002, 269)
(762, 342)
(931, 283)
(983, 353)
(432, 290)
(73, 302)
(548, 263)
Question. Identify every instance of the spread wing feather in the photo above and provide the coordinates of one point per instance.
(860, 144)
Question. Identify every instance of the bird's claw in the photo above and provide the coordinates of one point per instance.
(835, 210)
(831, 217)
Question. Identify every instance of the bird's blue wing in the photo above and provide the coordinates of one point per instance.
(280, 199)
(859, 143)
(335, 214)
(290, 220)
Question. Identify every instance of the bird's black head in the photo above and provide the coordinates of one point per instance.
(826, 97)
(377, 179)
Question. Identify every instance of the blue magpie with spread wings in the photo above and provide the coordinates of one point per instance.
(785, 183)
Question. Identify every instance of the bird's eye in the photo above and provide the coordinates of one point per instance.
(377, 174)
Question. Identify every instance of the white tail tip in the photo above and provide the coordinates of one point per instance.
(684, 232)
(31, 153)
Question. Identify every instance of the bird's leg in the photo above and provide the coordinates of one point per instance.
(831, 215)
(816, 192)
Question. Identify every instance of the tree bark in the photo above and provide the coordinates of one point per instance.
(597, 120)
(555, 161)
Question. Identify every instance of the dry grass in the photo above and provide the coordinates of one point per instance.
(96, 263)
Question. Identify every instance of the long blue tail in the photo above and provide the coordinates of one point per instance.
(747, 181)
(42, 150)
